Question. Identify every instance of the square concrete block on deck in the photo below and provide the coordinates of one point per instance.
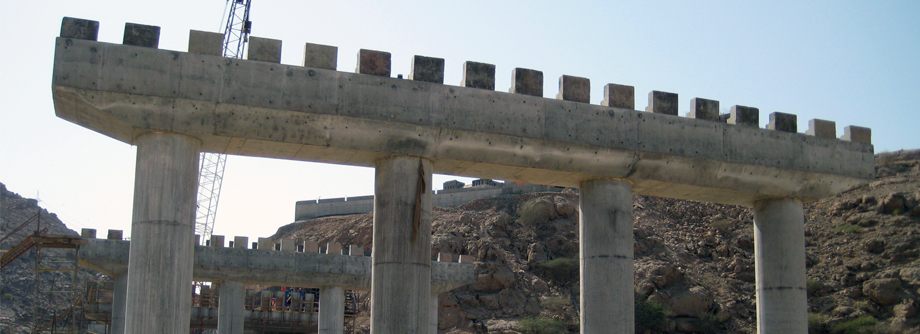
(217, 241)
(746, 116)
(264, 49)
(288, 245)
(334, 248)
(206, 43)
(310, 246)
(576, 89)
(355, 250)
(445, 257)
(240, 242)
(88, 233)
(857, 134)
(527, 82)
(320, 56)
(704, 109)
(478, 75)
(822, 128)
(619, 96)
(266, 244)
(115, 235)
(373, 63)
(783, 122)
(427, 69)
(662, 103)
(141, 35)
(466, 259)
(79, 29)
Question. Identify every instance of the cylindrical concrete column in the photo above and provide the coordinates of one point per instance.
(606, 241)
(433, 314)
(779, 263)
(401, 263)
(160, 261)
(119, 294)
(230, 309)
(331, 310)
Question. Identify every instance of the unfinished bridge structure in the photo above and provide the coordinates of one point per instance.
(173, 105)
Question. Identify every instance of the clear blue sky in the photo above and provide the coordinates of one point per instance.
(853, 62)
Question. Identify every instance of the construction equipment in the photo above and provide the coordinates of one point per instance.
(24, 245)
(46, 265)
(211, 172)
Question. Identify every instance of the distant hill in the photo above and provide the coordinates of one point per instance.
(17, 281)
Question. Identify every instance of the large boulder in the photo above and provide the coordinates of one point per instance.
(883, 291)
(893, 203)
(692, 303)
(492, 278)
(910, 276)
(565, 207)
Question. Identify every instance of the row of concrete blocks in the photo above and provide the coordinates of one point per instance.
(90, 233)
(285, 244)
(476, 75)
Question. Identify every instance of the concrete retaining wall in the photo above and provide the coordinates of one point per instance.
(306, 210)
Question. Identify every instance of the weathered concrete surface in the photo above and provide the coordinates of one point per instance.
(606, 257)
(291, 112)
(230, 308)
(401, 269)
(331, 310)
(779, 266)
(273, 268)
(162, 234)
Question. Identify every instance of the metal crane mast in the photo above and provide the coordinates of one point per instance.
(211, 172)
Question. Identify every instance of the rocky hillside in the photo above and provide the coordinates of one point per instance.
(17, 281)
(694, 261)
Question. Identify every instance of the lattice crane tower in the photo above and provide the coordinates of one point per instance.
(211, 172)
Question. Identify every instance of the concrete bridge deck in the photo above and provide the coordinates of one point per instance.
(266, 109)
(272, 268)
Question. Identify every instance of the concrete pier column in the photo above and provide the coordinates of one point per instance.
(231, 305)
(331, 310)
(606, 232)
(433, 314)
(401, 263)
(162, 234)
(779, 255)
(119, 294)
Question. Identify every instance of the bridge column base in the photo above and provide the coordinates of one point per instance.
(331, 310)
(606, 260)
(118, 304)
(230, 308)
(779, 255)
(401, 263)
(162, 234)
